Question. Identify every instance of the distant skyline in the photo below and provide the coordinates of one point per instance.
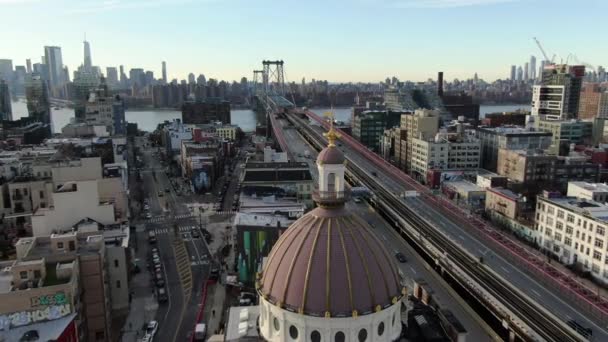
(338, 41)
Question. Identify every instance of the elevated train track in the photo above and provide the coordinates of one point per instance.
(479, 280)
(579, 295)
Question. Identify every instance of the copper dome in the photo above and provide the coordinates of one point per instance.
(330, 263)
(331, 155)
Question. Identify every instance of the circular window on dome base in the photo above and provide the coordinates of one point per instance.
(277, 325)
(362, 335)
(293, 332)
(315, 336)
(381, 329)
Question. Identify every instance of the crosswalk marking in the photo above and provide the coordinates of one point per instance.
(158, 219)
(230, 212)
(181, 229)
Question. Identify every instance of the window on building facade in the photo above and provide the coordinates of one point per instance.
(597, 255)
(560, 214)
(599, 243)
(570, 218)
(568, 241)
(600, 230)
(569, 230)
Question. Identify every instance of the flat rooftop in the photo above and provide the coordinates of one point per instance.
(464, 186)
(513, 130)
(584, 207)
(242, 323)
(261, 220)
(595, 187)
(505, 192)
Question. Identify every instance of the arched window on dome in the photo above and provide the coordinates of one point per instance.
(331, 181)
(340, 337)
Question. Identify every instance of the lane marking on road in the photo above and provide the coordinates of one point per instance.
(461, 237)
(536, 293)
(413, 270)
(384, 237)
(504, 269)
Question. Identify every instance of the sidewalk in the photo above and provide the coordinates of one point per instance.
(143, 304)
(213, 313)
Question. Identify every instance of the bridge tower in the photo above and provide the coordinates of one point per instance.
(257, 80)
(274, 78)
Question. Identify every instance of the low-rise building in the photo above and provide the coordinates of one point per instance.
(272, 156)
(202, 163)
(465, 192)
(510, 138)
(592, 191)
(72, 266)
(538, 170)
(271, 205)
(173, 135)
(229, 132)
(510, 210)
(566, 132)
(241, 324)
(574, 230)
(459, 151)
(255, 235)
(491, 180)
(73, 201)
(282, 180)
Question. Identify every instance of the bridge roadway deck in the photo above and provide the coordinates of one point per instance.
(538, 286)
(277, 129)
(416, 267)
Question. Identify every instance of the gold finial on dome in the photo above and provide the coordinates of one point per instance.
(331, 135)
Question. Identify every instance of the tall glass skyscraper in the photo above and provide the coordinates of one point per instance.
(6, 112)
(54, 63)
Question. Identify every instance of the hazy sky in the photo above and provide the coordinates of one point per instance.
(337, 40)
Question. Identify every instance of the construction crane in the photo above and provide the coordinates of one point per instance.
(543, 51)
(577, 61)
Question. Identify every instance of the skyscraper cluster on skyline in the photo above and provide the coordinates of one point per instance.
(527, 72)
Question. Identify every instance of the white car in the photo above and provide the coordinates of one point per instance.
(151, 329)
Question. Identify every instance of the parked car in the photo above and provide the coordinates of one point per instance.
(151, 329)
(159, 279)
(152, 236)
(161, 294)
(195, 233)
(400, 257)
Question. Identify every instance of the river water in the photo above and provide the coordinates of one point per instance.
(148, 120)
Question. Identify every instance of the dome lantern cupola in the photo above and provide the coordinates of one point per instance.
(331, 167)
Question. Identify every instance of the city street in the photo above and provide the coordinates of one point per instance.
(184, 273)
